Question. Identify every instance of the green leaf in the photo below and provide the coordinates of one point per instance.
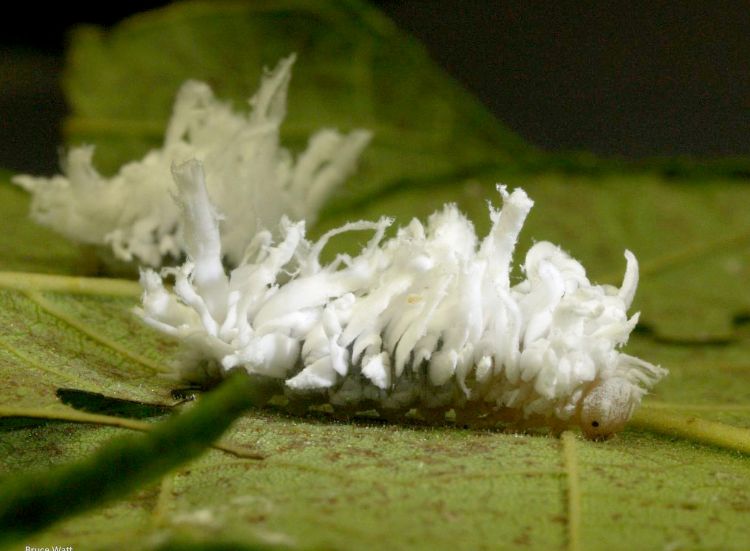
(34, 500)
(364, 484)
(354, 69)
(26, 246)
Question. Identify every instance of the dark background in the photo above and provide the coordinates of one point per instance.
(616, 78)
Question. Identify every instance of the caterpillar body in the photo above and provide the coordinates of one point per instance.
(252, 178)
(426, 320)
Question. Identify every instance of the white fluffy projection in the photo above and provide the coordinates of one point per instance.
(252, 180)
(425, 321)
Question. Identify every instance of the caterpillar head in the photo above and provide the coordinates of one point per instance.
(607, 406)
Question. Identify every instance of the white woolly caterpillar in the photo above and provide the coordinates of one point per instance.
(252, 180)
(426, 320)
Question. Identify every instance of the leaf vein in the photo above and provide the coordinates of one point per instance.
(25, 281)
(30, 362)
(75, 416)
(81, 327)
(570, 461)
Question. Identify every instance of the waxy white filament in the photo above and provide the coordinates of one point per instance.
(251, 179)
(428, 318)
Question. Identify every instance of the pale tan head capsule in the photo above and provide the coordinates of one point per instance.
(607, 407)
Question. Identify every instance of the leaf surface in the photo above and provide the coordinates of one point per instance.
(365, 484)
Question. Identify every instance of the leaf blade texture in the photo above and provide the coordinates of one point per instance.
(365, 484)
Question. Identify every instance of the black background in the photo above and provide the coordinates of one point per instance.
(617, 78)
